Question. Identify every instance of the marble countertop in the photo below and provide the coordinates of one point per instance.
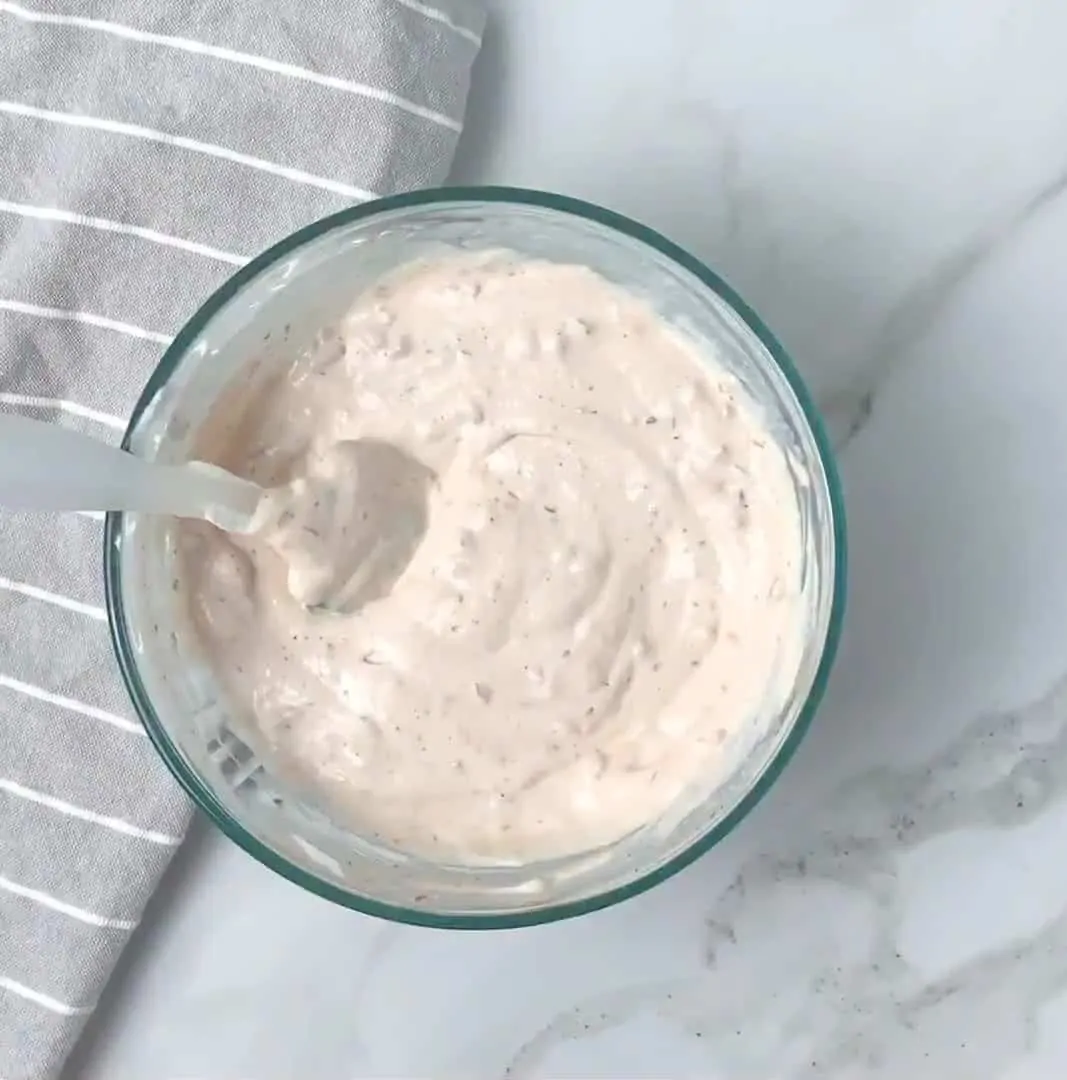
(884, 182)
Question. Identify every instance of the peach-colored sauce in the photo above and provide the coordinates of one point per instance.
(530, 564)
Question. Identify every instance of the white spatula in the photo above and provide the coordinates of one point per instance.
(45, 467)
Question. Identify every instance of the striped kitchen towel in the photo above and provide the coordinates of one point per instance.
(147, 148)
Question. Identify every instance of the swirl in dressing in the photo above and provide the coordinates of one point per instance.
(559, 548)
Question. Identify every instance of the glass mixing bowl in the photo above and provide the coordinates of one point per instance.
(272, 308)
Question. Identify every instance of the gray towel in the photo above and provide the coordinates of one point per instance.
(148, 148)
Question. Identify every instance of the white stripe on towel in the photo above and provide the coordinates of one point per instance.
(48, 901)
(86, 318)
(68, 602)
(119, 825)
(263, 63)
(49, 213)
(118, 127)
(436, 16)
(50, 1003)
(32, 401)
(71, 705)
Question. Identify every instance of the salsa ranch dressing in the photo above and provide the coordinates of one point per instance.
(530, 564)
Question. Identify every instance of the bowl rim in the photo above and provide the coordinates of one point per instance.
(199, 791)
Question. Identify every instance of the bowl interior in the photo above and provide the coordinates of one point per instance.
(272, 309)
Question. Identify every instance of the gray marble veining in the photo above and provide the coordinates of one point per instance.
(848, 408)
(872, 1014)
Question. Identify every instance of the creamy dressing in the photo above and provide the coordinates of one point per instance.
(529, 571)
